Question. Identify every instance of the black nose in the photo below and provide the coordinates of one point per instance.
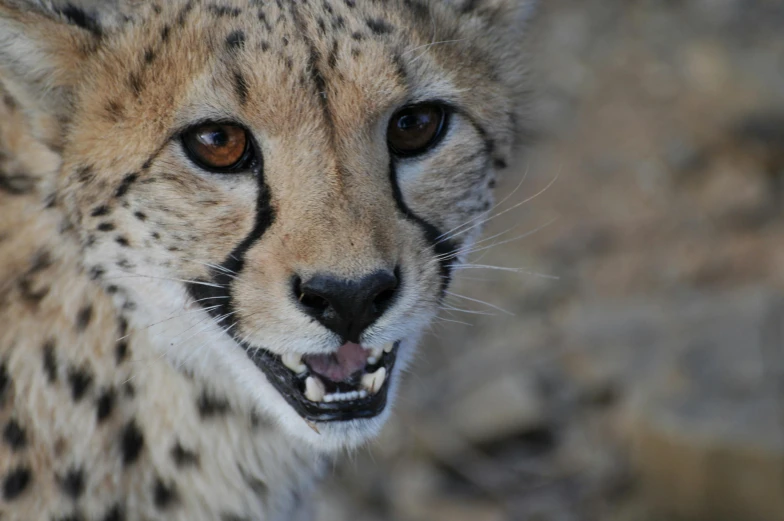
(347, 307)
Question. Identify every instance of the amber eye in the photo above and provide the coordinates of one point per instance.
(220, 147)
(416, 128)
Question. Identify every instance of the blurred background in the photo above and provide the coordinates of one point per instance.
(629, 362)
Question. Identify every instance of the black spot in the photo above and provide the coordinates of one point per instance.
(104, 405)
(83, 318)
(96, 272)
(105, 227)
(50, 361)
(16, 184)
(15, 482)
(222, 10)
(115, 513)
(81, 18)
(85, 174)
(419, 9)
(322, 26)
(126, 183)
(155, 235)
(320, 82)
(135, 83)
(183, 457)
(338, 23)
(99, 211)
(129, 389)
(165, 33)
(112, 289)
(469, 6)
(350, 3)
(14, 435)
(29, 294)
(114, 110)
(122, 241)
(500, 163)
(121, 351)
(357, 36)
(5, 382)
(125, 264)
(209, 405)
(80, 379)
(164, 495)
(378, 26)
(122, 326)
(235, 40)
(131, 443)
(240, 87)
(140, 215)
(149, 55)
(51, 200)
(332, 59)
(72, 484)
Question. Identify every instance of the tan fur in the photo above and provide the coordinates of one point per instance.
(132, 403)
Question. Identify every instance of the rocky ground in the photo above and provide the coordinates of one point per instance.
(637, 370)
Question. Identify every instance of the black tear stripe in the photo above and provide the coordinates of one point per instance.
(216, 291)
(445, 249)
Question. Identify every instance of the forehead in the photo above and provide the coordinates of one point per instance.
(278, 62)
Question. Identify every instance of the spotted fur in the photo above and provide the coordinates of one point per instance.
(121, 397)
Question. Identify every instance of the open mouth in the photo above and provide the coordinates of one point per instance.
(348, 384)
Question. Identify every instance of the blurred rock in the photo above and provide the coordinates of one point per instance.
(505, 405)
(638, 379)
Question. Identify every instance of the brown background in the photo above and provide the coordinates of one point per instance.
(641, 376)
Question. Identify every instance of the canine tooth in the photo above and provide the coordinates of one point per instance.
(294, 362)
(362, 394)
(372, 360)
(373, 381)
(376, 352)
(314, 389)
(389, 347)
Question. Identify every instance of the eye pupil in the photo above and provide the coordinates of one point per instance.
(218, 147)
(415, 129)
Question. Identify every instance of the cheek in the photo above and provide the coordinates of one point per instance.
(197, 221)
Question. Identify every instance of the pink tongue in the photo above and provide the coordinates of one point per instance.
(338, 366)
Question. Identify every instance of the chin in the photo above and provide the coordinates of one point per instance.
(330, 416)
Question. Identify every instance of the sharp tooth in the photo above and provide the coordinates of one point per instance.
(389, 347)
(373, 381)
(314, 389)
(363, 394)
(376, 352)
(372, 360)
(294, 362)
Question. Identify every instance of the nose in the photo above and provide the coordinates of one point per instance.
(347, 307)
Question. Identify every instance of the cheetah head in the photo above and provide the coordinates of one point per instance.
(277, 193)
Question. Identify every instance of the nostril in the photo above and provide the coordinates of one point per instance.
(308, 299)
(387, 293)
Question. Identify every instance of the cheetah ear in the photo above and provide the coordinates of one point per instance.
(42, 50)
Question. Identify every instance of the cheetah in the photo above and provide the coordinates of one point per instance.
(224, 226)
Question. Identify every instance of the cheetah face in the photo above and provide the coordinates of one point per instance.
(278, 193)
